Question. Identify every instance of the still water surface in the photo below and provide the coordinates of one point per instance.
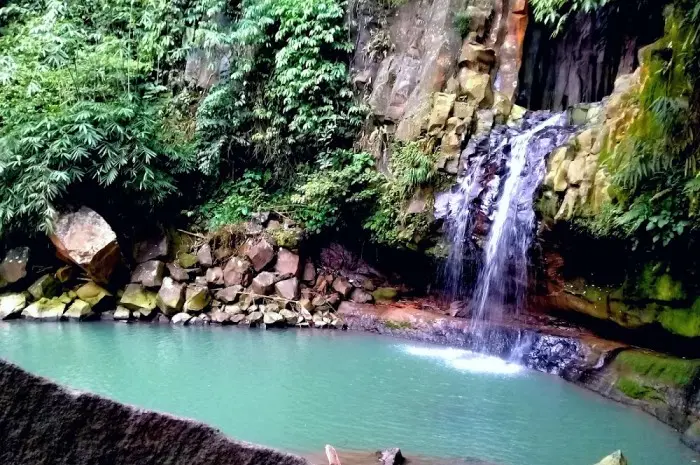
(300, 390)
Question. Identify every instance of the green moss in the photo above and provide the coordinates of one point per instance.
(287, 238)
(385, 294)
(657, 284)
(635, 390)
(398, 325)
(660, 368)
(680, 321)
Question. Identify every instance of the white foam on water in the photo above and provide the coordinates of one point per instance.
(466, 360)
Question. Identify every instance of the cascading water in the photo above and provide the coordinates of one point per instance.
(493, 205)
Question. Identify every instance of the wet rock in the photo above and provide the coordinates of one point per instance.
(288, 263)
(122, 314)
(288, 289)
(309, 275)
(391, 456)
(254, 318)
(361, 297)
(342, 286)
(137, 298)
(238, 318)
(85, 239)
(290, 317)
(181, 318)
(45, 309)
(11, 305)
(171, 297)
(215, 276)
(152, 249)
(204, 256)
(177, 272)
(221, 318)
(197, 298)
(14, 266)
(237, 272)
(260, 253)
(616, 458)
(272, 319)
(263, 284)
(229, 295)
(46, 286)
(79, 310)
(150, 273)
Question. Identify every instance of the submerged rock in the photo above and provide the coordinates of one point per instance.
(11, 305)
(391, 456)
(86, 239)
(181, 318)
(616, 458)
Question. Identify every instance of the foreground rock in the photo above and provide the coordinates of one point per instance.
(171, 297)
(11, 305)
(615, 458)
(391, 456)
(45, 309)
(83, 428)
(85, 239)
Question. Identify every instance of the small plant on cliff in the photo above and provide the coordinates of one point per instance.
(556, 12)
(462, 22)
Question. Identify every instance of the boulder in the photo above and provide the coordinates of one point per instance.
(181, 318)
(204, 256)
(79, 310)
(85, 239)
(14, 266)
(187, 260)
(333, 300)
(215, 276)
(233, 309)
(137, 298)
(361, 296)
(309, 275)
(263, 283)
(229, 295)
(342, 286)
(272, 318)
(288, 289)
(288, 263)
(93, 294)
(391, 456)
(46, 286)
(238, 317)
(149, 273)
(237, 272)
(442, 107)
(385, 294)
(177, 272)
(221, 318)
(201, 281)
(197, 298)
(477, 57)
(254, 318)
(290, 317)
(616, 458)
(171, 297)
(45, 309)
(122, 314)
(476, 86)
(261, 253)
(65, 273)
(152, 249)
(67, 297)
(11, 305)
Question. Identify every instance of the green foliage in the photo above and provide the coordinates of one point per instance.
(89, 103)
(410, 169)
(556, 12)
(398, 325)
(659, 368)
(289, 97)
(462, 22)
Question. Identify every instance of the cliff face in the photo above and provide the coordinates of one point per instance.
(41, 422)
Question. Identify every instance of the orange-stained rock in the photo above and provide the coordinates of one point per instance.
(511, 54)
(86, 239)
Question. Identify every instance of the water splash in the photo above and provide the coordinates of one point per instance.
(465, 360)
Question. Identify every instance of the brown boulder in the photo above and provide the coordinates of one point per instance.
(342, 286)
(260, 253)
(229, 294)
(85, 238)
(150, 273)
(263, 283)
(237, 272)
(288, 263)
(288, 289)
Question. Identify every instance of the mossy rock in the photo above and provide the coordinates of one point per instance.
(681, 321)
(45, 287)
(636, 390)
(657, 368)
(385, 294)
(45, 309)
(187, 260)
(135, 297)
(655, 283)
(92, 293)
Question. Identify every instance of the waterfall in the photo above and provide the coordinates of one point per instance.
(492, 205)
